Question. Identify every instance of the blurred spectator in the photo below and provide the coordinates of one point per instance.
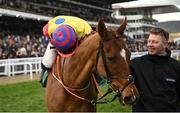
(22, 52)
(35, 52)
(2, 45)
(11, 48)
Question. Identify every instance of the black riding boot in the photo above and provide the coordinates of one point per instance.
(44, 75)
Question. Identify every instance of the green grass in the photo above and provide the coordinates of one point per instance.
(29, 96)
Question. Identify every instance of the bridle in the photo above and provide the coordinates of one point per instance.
(109, 75)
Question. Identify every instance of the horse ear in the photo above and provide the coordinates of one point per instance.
(121, 29)
(102, 28)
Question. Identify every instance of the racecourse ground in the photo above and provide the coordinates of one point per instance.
(17, 79)
(20, 94)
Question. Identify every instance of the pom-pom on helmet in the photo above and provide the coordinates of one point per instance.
(45, 31)
(64, 40)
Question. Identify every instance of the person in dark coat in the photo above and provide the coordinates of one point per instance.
(157, 76)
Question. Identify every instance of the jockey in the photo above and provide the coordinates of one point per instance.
(63, 33)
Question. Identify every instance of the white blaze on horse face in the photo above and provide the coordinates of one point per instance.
(123, 54)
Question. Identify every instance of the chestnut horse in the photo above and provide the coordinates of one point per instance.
(70, 85)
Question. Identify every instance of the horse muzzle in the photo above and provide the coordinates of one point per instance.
(129, 96)
(128, 100)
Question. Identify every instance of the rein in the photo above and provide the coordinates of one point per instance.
(62, 82)
(68, 90)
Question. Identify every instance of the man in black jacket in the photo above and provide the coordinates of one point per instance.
(157, 76)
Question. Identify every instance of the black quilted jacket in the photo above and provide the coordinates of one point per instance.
(158, 81)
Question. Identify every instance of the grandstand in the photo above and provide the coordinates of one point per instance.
(39, 10)
(21, 21)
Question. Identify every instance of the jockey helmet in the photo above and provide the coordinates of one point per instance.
(64, 40)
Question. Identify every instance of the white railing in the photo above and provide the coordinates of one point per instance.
(12, 67)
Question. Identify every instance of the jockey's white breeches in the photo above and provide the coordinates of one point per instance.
(49, 56)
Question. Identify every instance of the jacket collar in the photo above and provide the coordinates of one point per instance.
(159, 59)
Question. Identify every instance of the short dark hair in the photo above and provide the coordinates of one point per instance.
(159, 31)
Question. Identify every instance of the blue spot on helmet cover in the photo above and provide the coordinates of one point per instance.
(59, 21)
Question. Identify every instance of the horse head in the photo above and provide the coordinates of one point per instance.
(112, 62)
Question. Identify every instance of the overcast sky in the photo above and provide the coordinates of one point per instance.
(168, 16)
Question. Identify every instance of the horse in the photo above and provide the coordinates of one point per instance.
(70, 85)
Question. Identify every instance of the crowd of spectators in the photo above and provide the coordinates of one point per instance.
(141, 46)
(16, 46)
(137, 46)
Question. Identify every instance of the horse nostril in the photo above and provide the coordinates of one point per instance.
(129, 99)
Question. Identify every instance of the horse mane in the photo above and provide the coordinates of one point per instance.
(87, 35)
